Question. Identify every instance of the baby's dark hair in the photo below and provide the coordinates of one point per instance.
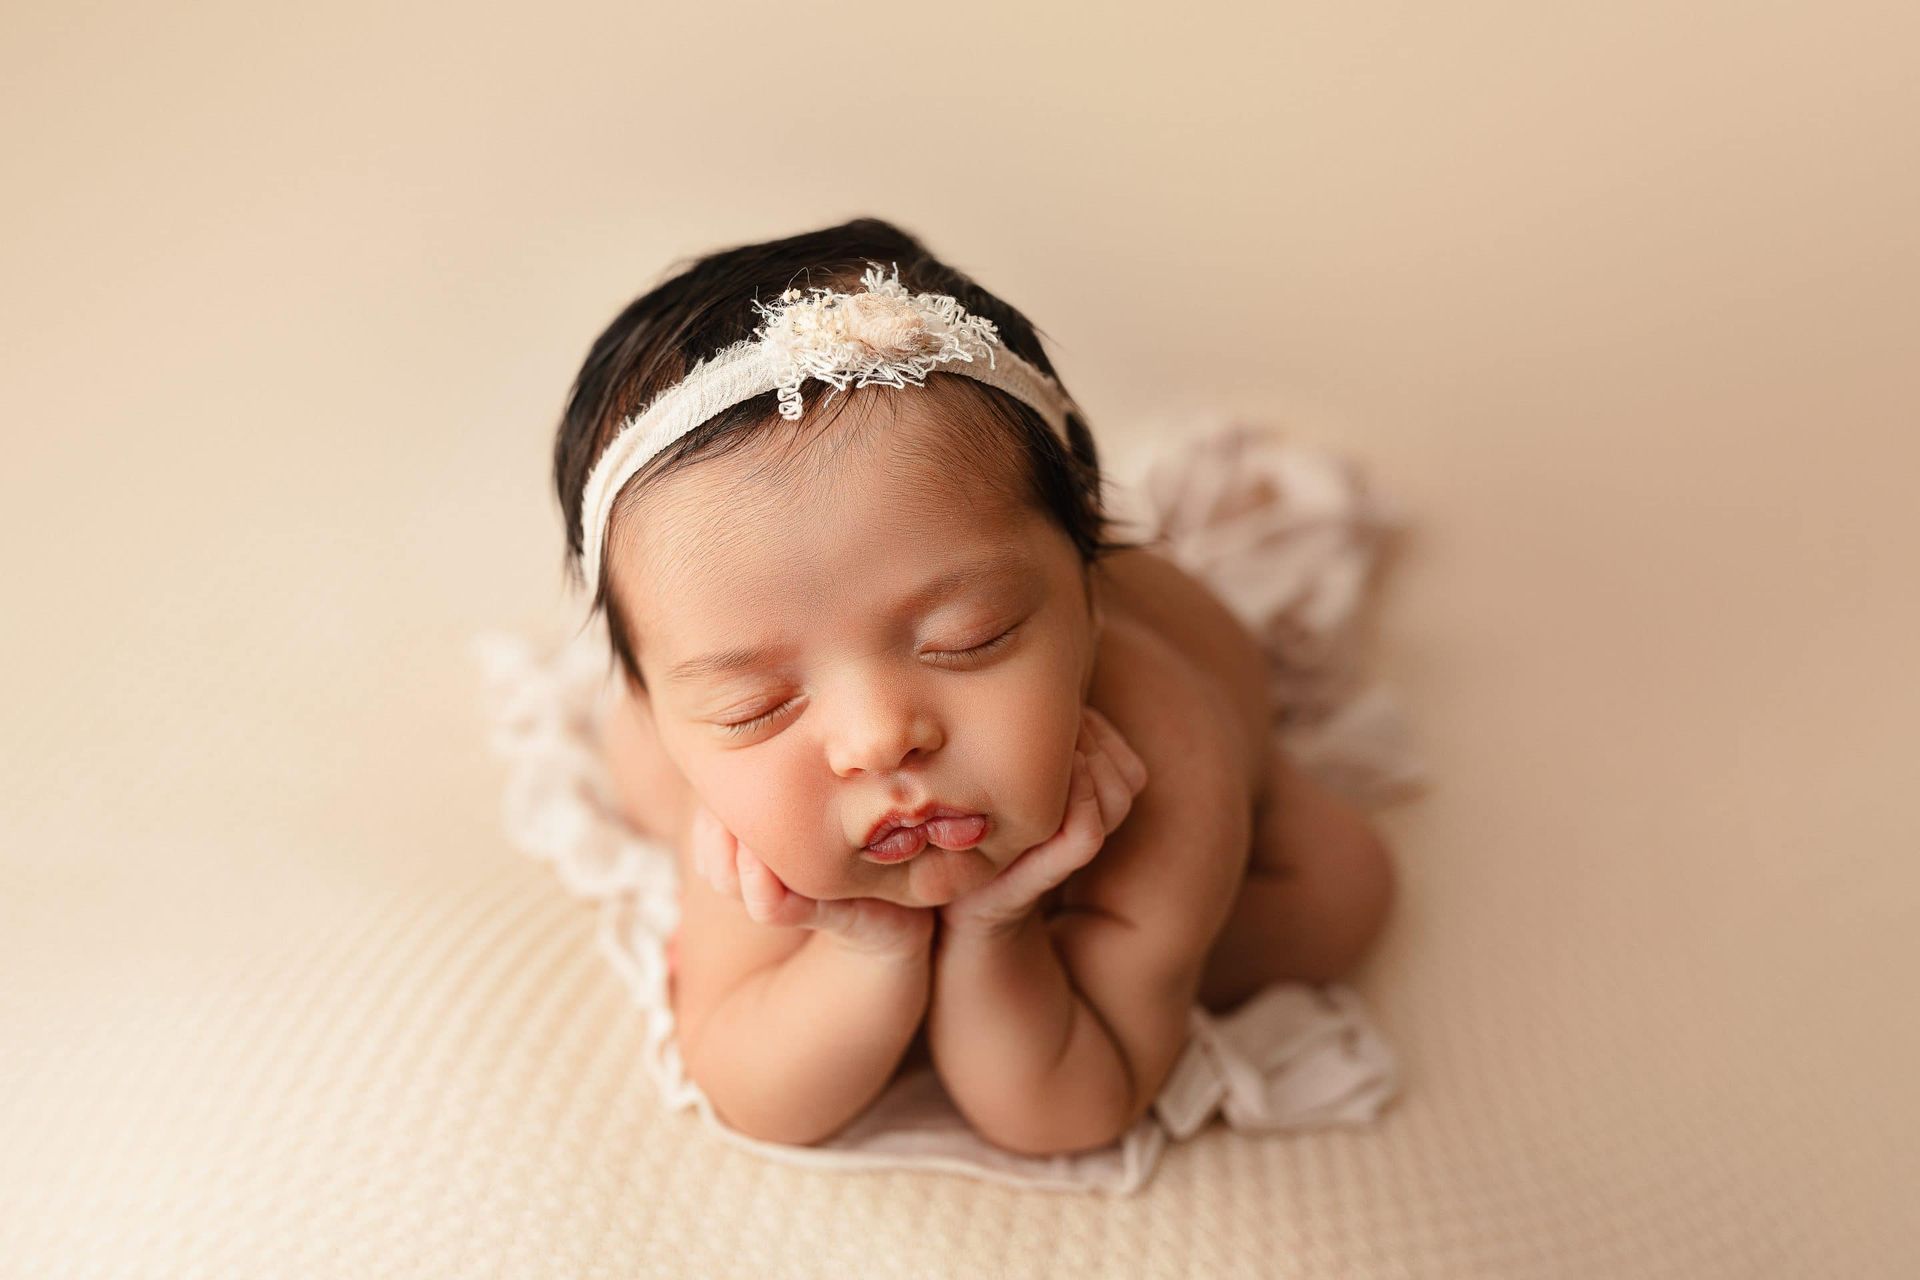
(706, 304)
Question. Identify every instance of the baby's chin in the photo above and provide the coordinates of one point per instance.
(932, 878)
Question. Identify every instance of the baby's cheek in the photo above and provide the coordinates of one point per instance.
(818, 871)
(786, 826)
(1028, 760)
(757, 812)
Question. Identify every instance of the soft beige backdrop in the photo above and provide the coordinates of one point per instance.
(1620, 301)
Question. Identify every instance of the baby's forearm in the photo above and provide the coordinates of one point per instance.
(800, 1048)
(1019, 1051)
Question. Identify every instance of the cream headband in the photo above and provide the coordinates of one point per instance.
(884, 335)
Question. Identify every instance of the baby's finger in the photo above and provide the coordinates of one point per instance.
(1055, 858)
(725, 878)
(714, 853)
(1082, 829)
(1115, 795)
(1085, 740)
(1015, 890)
(767, 898)
(1131, 766)
(760, 890)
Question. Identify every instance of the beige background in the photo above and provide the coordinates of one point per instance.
(1619, 300)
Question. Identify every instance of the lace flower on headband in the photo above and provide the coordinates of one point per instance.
(884, 336)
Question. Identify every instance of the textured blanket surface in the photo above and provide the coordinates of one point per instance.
(1618, 300)
(278, 996)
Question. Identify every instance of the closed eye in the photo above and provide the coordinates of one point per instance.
(979, 650)
(941, 656)
(745, 727)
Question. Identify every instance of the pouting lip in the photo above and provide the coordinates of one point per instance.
(913, 818)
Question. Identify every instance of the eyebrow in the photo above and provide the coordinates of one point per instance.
(954, 579)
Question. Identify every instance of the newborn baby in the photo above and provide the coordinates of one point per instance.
(949, 779)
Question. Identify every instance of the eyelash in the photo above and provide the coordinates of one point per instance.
(748, 726)
(745, 727)
(978, 649)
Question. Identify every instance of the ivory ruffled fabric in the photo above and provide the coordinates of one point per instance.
(1290, 537)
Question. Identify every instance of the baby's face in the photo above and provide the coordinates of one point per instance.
(863, 627)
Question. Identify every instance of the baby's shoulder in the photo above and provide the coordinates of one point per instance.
(1173, 713)
(1177, 859)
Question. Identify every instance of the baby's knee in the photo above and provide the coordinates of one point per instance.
(1340, 871)
(1366, 888)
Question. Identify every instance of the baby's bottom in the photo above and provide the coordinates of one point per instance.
(1319, 884)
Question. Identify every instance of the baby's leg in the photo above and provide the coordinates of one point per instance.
(1318, 886)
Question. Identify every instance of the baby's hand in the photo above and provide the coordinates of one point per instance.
(1107, 775)
(870, 925)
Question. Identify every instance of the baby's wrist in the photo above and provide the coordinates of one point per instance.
(905, 950)
(961, 926)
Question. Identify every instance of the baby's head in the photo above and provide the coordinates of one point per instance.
(885, 603)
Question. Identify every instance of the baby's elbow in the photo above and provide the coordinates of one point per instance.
(745, 1102)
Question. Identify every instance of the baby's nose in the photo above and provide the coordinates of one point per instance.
(882, 740)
